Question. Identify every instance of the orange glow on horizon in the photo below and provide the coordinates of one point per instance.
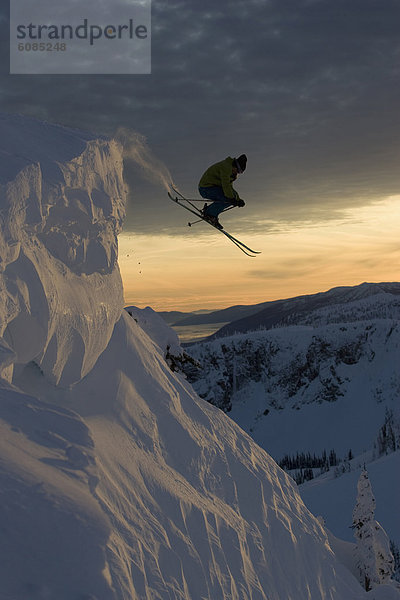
(206, 271)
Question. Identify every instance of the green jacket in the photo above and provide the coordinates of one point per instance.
(220, 174)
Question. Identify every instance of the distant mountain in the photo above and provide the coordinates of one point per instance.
(172, 317)
(294, 310)
(177, 317)
(224, 315)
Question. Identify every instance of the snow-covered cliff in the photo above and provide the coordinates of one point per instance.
(117, 481)
(60, 288)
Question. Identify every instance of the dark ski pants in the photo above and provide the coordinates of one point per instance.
(220, 202)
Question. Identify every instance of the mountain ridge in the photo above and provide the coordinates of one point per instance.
(277, 310)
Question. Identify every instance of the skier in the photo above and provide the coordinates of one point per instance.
(216, 185)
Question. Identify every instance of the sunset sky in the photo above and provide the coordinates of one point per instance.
(308, 89)
(310, 257)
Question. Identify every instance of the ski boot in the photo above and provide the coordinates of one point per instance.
(209, 218)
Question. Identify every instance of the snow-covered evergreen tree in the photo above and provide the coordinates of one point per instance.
(396, 555)
(373, 555)
(388, 439)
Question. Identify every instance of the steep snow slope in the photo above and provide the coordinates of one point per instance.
(118, 481)
(53, 530)
(197, 509)
(155, 327)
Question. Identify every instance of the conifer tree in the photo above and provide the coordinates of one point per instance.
(373, 556)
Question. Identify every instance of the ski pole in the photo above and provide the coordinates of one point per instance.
(193, 222)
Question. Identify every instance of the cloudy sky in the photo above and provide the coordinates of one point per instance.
(308, 89)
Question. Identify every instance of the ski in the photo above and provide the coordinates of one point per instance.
(194, 210)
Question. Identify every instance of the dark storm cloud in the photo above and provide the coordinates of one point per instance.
(308, 89)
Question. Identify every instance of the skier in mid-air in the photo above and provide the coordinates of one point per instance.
(216, 185)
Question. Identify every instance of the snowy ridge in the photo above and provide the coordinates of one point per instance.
(376, 306)
(53, 231)
(340, 304)
(154, 325)
(205, 513)
(118, 481)
(188, 502)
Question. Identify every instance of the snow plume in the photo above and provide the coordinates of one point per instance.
(135, 148)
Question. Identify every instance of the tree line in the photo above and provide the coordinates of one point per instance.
(303, 463)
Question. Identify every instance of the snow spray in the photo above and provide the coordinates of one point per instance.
(135, 147)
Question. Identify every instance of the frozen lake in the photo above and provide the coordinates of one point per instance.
(196, 333)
